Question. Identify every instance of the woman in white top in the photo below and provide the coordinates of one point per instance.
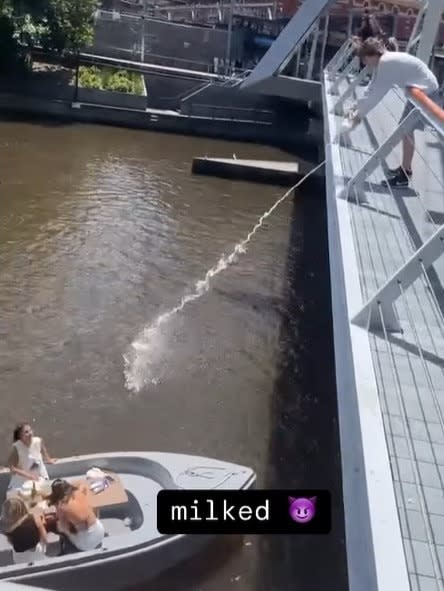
(28, 457)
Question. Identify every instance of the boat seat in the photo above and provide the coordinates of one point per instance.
(5, 551)
(54, 546)
(52, 549)
(115, 527)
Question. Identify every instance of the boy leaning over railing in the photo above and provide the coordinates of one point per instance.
(394, 69)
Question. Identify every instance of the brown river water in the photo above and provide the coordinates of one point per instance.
(103, 229)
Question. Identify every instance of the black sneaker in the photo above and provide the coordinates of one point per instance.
(397, 178)
(395, 171)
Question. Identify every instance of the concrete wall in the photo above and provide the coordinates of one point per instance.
(291, 88)
(291, 136)
(223, 96)
(166, 92)
(241, 104)
(40, 86)
(226, 96)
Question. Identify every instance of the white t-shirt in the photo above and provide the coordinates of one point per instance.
(396, 68)
(29, 459)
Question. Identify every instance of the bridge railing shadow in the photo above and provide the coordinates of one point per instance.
(304, 447)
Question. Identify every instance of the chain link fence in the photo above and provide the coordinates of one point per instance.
(130, 37)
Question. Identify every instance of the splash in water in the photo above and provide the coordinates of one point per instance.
(144, 358)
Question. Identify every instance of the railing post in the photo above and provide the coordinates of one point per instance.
(298, 62)
(313, 48)
(324, 44)
(404, 128)
(338, 56)
(338, 107)
(368, 317)
(333, 70)
(414, 34)
(344, 74)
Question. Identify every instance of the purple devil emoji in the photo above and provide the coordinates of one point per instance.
(302, 510)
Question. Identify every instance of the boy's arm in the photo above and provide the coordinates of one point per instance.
(375, 92)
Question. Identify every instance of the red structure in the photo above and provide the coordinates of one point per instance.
(396, 17)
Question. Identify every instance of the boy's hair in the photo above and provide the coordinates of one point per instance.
(371, 47)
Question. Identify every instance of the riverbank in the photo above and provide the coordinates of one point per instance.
(162, 121)
(170, 104)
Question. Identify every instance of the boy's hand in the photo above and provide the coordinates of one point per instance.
(354, 117)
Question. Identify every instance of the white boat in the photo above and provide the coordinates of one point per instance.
(5, 586)
(133, 550)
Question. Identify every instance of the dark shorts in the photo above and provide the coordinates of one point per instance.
(420, 124)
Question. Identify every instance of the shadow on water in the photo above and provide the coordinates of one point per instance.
(194, 574)
(304, 442)
(304, 446)
(36, 119)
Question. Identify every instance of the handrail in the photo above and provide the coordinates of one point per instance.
(426, 102)
(430, 110)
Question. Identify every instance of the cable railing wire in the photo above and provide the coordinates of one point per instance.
(409, 438)
(425, 162)
(424, 276)
(406, 300)
(423, 362)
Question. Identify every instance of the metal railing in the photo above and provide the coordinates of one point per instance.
(196, 12)
(396, 288)
(157, 40)
(231, 113)
(382, 301)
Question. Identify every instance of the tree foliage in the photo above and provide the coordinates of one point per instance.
(70, 23)
(58, 25)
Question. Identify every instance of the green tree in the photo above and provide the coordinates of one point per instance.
(70, 23)
(60, 25)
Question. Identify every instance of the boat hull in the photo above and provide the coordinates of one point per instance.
(122, 573)
(139, 553)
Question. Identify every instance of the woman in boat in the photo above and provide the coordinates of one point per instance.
(75, 515)
(28, 457)
(369, 26)
(25, 531)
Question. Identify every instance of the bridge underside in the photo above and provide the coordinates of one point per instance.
(274, 72)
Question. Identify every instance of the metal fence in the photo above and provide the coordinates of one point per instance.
(390, 241)
(162, 42)
(231, 113)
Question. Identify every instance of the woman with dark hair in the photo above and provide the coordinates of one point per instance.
(75, 515)
(25, 531)
(28, 457)
(370, 27)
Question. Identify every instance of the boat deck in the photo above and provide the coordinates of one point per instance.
(392, 400)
